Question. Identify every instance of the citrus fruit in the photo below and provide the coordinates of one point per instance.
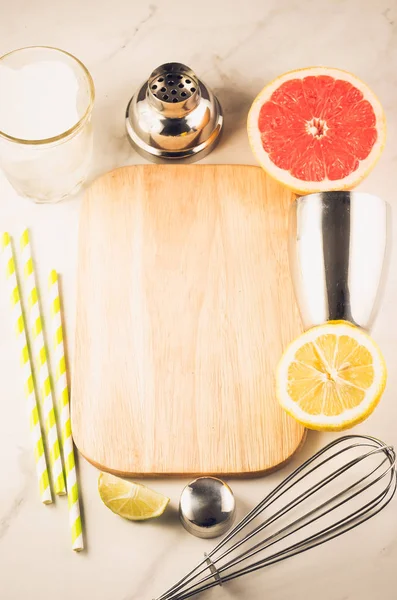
(317, 129)
(132, 501)
(331, 377)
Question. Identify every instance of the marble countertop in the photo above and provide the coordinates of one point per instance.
(236, 47)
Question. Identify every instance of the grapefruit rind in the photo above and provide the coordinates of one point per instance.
(306, 187)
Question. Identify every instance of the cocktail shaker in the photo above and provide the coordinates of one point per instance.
(338, 252)
(174, 116)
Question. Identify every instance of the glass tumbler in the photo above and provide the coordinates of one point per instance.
(56, 162)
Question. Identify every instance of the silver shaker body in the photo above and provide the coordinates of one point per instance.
(339, 245)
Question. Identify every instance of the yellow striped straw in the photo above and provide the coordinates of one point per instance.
(40, 354)
(39, 455)
(62, 399)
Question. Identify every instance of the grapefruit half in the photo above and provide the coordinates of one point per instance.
(317, 129)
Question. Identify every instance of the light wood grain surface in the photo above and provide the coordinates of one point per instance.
(184, 307)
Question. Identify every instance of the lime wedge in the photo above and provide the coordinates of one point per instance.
(132, 501)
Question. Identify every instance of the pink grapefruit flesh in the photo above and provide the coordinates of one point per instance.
(317, 129)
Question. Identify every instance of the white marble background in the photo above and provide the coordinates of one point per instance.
(236, 47)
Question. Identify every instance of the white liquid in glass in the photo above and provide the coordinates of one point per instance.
(44, 98)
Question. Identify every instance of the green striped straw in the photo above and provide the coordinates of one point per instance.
(43, 375)
(20, 329)
(62, 399)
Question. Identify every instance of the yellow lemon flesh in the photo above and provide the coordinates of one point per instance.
(331, 377)
(132, 501)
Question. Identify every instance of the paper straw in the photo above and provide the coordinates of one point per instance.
(62, 399)
(43, 376)
(20, 330)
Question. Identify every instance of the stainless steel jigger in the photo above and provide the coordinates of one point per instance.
(338, 253)
(174, 116)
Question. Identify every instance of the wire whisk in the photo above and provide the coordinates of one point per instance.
(341, 486)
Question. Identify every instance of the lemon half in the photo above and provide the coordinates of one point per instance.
(331, 377)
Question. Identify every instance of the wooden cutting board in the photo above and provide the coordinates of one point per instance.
(184, 307)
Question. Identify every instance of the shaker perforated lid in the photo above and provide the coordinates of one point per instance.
(174, 116)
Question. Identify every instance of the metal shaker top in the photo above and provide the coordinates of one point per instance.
(174, 116)
(207, 507)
